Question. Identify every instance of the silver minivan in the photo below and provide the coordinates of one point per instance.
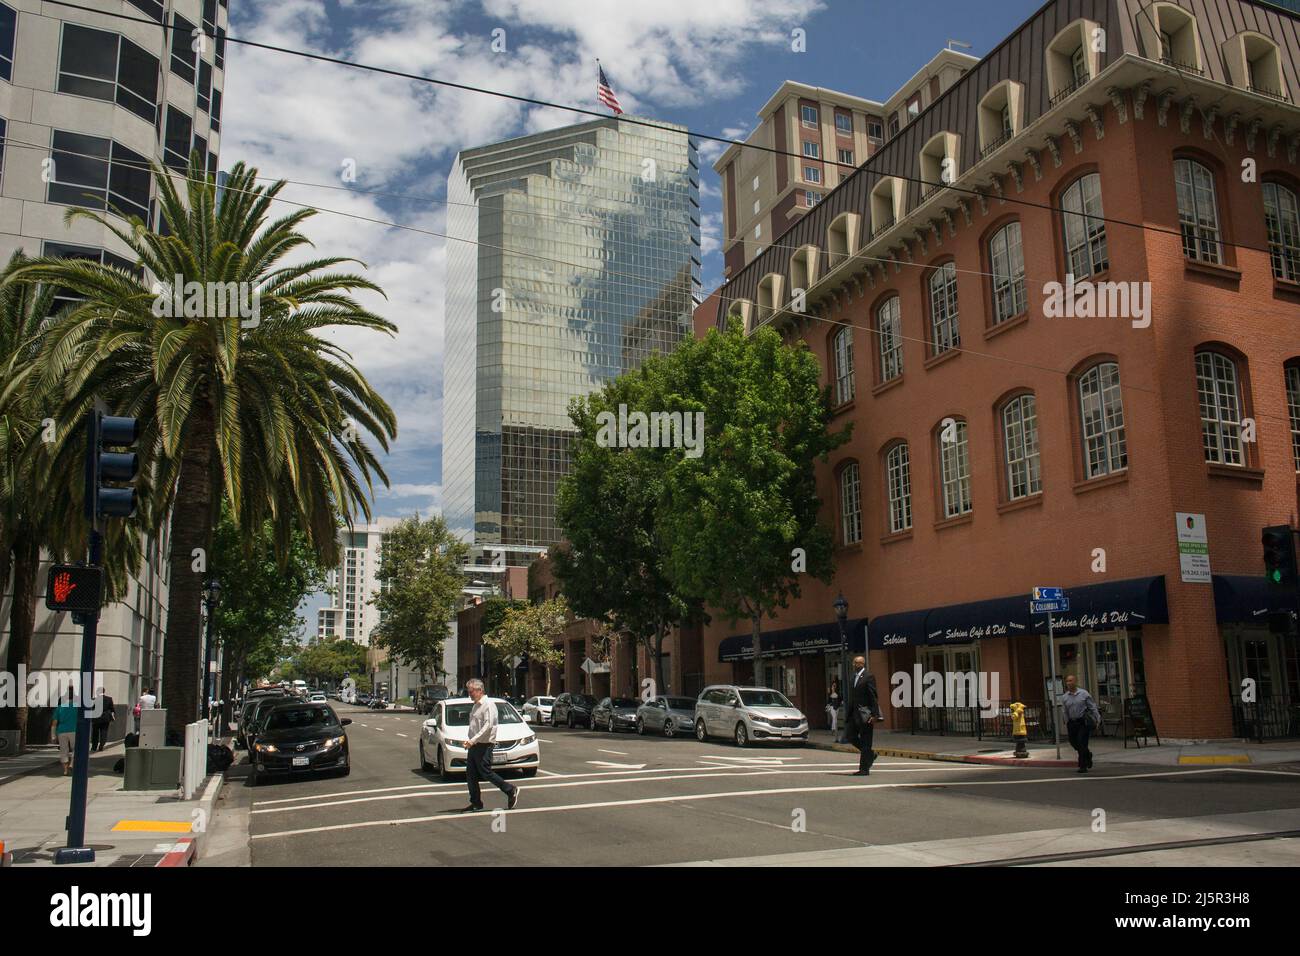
(748, 715)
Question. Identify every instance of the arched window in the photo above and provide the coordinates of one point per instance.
(1219, 393)
(954, 468)
(1007, 264)
(1020, 447)
(844, 385)
(1293, 409)
(1085, 232)
(850, 504)
(1282, 216)
(1198, 211)
(889, 335)
(1101, 419)
(898, 480)
(945, 333)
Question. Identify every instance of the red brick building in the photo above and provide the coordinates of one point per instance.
(999, 444)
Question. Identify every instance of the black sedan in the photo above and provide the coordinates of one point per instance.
(300, 738)
(615, 714)
(572, 710)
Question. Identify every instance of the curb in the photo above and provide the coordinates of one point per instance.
(950, 758)
(183, 853)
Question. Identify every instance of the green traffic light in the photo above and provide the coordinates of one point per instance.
(1276, 575)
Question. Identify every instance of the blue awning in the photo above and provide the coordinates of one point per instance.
(1247, 598)
(892, 630)
(978, 620)
(810, 639)
(1111, 604)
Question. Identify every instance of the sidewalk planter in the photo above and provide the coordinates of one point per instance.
(153, 768)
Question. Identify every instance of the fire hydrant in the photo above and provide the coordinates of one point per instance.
(1018, 729)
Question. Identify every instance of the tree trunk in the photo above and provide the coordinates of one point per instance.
(661, 685)
(191, 531)
(22, 622)
(758, 649)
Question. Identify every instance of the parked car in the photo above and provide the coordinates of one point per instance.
(319, 698)
(666, 715)
(615, 714)
(378, 703)
(253, 711)
(443, 737)
(297, 737)
(537, 710)
(427, 697)
(572, 710)
(748, 714)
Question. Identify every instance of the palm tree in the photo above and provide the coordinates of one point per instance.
(267, 415)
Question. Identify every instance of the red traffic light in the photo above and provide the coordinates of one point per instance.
(71, 587)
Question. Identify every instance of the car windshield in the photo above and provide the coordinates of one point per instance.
(295, 718)
(681, 703)
(584, 699)
(624, 702)
(546, 700)
(763, 698)
(458, 714)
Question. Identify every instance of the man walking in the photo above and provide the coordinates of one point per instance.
(863, 710)
(482, 738)
(102, 721)
(1081, 714)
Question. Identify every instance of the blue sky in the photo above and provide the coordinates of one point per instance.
(708, 65)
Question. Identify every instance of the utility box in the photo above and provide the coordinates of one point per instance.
(8, 743)
(153, 727)
(153, 768)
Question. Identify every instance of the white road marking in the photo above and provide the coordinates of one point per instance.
(549, 773)
(401, 735)
(616, 766)
(684, 798)
(619, 753)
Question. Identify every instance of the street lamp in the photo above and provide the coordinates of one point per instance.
(211, 597)
(842, 614)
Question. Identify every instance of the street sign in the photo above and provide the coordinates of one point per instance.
(1042, 607)
(71, 587)
(1048, 594)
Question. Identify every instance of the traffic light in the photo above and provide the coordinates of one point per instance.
(120, 467)
(1279, 556)
(73, 587)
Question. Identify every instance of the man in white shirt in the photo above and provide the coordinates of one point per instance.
(482, 737)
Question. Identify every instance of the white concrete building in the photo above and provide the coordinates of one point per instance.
(86, 99)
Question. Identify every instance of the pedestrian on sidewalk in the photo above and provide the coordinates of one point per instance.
(147, 701)
(833, 706)
(102, 720)
(862, 712)
(65, 729)
(1081, 715)
(482, 740)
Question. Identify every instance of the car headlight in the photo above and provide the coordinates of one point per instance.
(332, 742)
(267, 748)
(528, 740)
(759, 718)
(455, 743)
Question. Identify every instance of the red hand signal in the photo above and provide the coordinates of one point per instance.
(63, 586)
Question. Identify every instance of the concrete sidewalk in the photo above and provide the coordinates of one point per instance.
(137, 828)
(1105, 750)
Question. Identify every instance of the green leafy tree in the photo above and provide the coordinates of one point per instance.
(531, 630)
(420, 577)
(262, 412)
(613, 565)
(738, 517)
(327, 661)
(261, 588)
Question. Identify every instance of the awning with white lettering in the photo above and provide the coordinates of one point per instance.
(895, 630)
(1249, 599)
(1131, 602)
(790, 641)
(978, 620)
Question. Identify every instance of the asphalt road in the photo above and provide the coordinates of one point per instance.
(620, 799)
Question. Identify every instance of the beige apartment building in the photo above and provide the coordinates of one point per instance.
(827, 134)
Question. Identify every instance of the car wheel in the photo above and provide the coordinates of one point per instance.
(609, 724)
(670, 728)
(640, 727)
(443, 771)
(424, 764)
(700, 733)
(529, 772)
(346, 770)
(742, 735)
(570, 721)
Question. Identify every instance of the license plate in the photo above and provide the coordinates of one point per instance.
(500, 756)
(301, 761)
(785, 733)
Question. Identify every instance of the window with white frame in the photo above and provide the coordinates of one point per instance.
(1101, 418)
(1084, 229)
(850, 504)
(1007, 262)
(1079, 65)
(809, 116)
(954, 469)
(1282, 216)
(1198, 212)
(845, 156)
(811, 174)
(875, 130)
(1293, 410)
(844, 124)
(844, 384)
(811, 150)
(811, 197)
(944, 331)
(1020, 447)
(1220, 399)
(898, 479)
(889, 336)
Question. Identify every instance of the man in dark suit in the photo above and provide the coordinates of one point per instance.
(863, 711)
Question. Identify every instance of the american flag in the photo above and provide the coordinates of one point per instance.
(604, 93)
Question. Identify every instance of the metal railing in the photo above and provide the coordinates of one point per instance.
(994, 146)
(1064, 93)
(1180, 65)
(1274, 94)
(1269, 718)
(972, 722)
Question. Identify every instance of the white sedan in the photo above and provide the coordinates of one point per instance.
(537, 710)
(443, 737)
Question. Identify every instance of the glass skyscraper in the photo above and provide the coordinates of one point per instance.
(583, 259)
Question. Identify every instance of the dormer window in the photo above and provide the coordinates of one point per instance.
(803, 269)
(1169, 35)
(939, 164)
(1079, 66)
(769, 296)
(887, 199)
(842, 238)
(1254, 64)
(1071, 59)
(999, 115)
